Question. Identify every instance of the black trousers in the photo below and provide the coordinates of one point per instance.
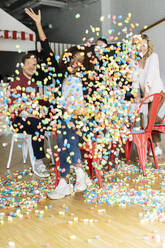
(34, 127)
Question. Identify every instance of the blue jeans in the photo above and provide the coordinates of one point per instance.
(68, 142)
(32, 128)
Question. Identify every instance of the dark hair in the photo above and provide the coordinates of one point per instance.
(70, 53)
(103, 40)
(28, 56)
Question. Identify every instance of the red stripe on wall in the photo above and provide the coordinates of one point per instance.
(6, 34)
(22, 35)
(31, 37)
(14, 35)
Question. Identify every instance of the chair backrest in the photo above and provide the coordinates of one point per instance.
(162, 120)
(157, 99)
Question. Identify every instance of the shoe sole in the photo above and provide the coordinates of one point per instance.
(40, 175)
(58, 198)
(80, 189)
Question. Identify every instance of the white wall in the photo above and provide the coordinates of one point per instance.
(144, 12)
(157, 35)
(68, 29)
(11, 45)
(105, 12)
(8, 22)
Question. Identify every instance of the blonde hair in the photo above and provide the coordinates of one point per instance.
(149, 44)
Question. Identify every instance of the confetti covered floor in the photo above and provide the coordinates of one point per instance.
(128, 204)
(129, 211)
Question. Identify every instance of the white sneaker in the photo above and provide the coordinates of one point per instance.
(82, 180)
(61, 190)
(40, 169)
(158, 152)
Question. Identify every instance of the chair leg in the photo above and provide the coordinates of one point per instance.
(24, 151)
(49, 146)
(11, 151)
(31, 153)
(128, 147)
(90, 166)
(153, 152)
(57, 178)
(112, 156)
(140, 142)
(98, 175)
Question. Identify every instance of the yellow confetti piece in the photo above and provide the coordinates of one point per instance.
(92, 28)
(132, 25)
(77, 16)
(97, 29)
(120, 24)
(48, 156)
(102, 18)
(17, 72)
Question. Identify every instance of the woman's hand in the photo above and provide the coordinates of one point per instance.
(146, 101)
(35, 17)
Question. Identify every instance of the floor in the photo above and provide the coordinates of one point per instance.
(121, 215)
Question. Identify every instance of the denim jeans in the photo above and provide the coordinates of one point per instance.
(32, 128)
(68, 142)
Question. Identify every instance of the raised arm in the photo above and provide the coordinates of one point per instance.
(37, 19)
(47, 54)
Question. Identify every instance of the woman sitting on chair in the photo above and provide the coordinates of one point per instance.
(146, 77)
(73, 65)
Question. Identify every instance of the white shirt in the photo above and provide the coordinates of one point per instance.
(148, 78)
(72, 94)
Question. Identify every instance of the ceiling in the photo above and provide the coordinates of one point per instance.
(16, 7)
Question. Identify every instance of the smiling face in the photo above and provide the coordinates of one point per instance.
(99, 48)
(76, 62)
(29, 67)
(143, 48)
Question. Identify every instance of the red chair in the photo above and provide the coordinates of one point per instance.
(141, 137)
(159, 127)
(93, 161)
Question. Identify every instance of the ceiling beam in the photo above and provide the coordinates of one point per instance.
(29, 4)
(57, 4)
(36, 3)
